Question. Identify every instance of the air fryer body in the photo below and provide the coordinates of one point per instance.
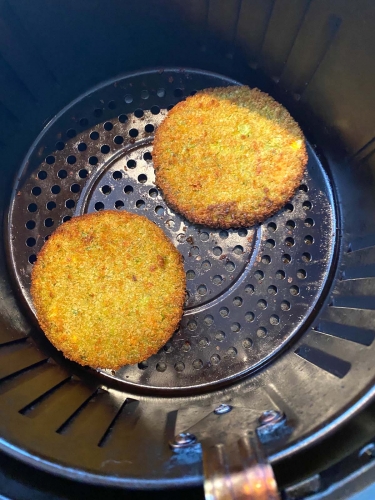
(83, 86)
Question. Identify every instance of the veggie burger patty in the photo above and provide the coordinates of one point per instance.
(108, 289)
(228, 157)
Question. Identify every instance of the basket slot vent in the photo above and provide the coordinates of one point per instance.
(40, 388)
(331, 364)
(55, 411)
(63, 429)
(16, 359)
(122, 427)
(106, 436)
(364, 302)
(91, 422)
(346, 332)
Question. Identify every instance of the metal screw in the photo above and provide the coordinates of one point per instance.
(182, 440)
(222, 409)
(271, 417)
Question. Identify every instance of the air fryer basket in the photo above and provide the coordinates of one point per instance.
(278, 325)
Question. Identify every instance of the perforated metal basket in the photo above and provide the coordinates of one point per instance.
(278, 321)
(248, 290)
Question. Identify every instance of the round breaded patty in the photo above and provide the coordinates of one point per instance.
(228, 157)
(108, 289)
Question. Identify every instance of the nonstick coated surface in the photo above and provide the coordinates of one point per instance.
(248, 290)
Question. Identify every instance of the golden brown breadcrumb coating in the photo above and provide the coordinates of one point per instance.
(108, 289)
(228, 157)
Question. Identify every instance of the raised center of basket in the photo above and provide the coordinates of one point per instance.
(214, 259)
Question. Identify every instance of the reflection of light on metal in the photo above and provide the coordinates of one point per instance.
(238, 471)
(222, 409)
(116, 396)
(182, 440)
(270, 417)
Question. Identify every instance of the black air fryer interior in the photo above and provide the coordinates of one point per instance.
(278, 317)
